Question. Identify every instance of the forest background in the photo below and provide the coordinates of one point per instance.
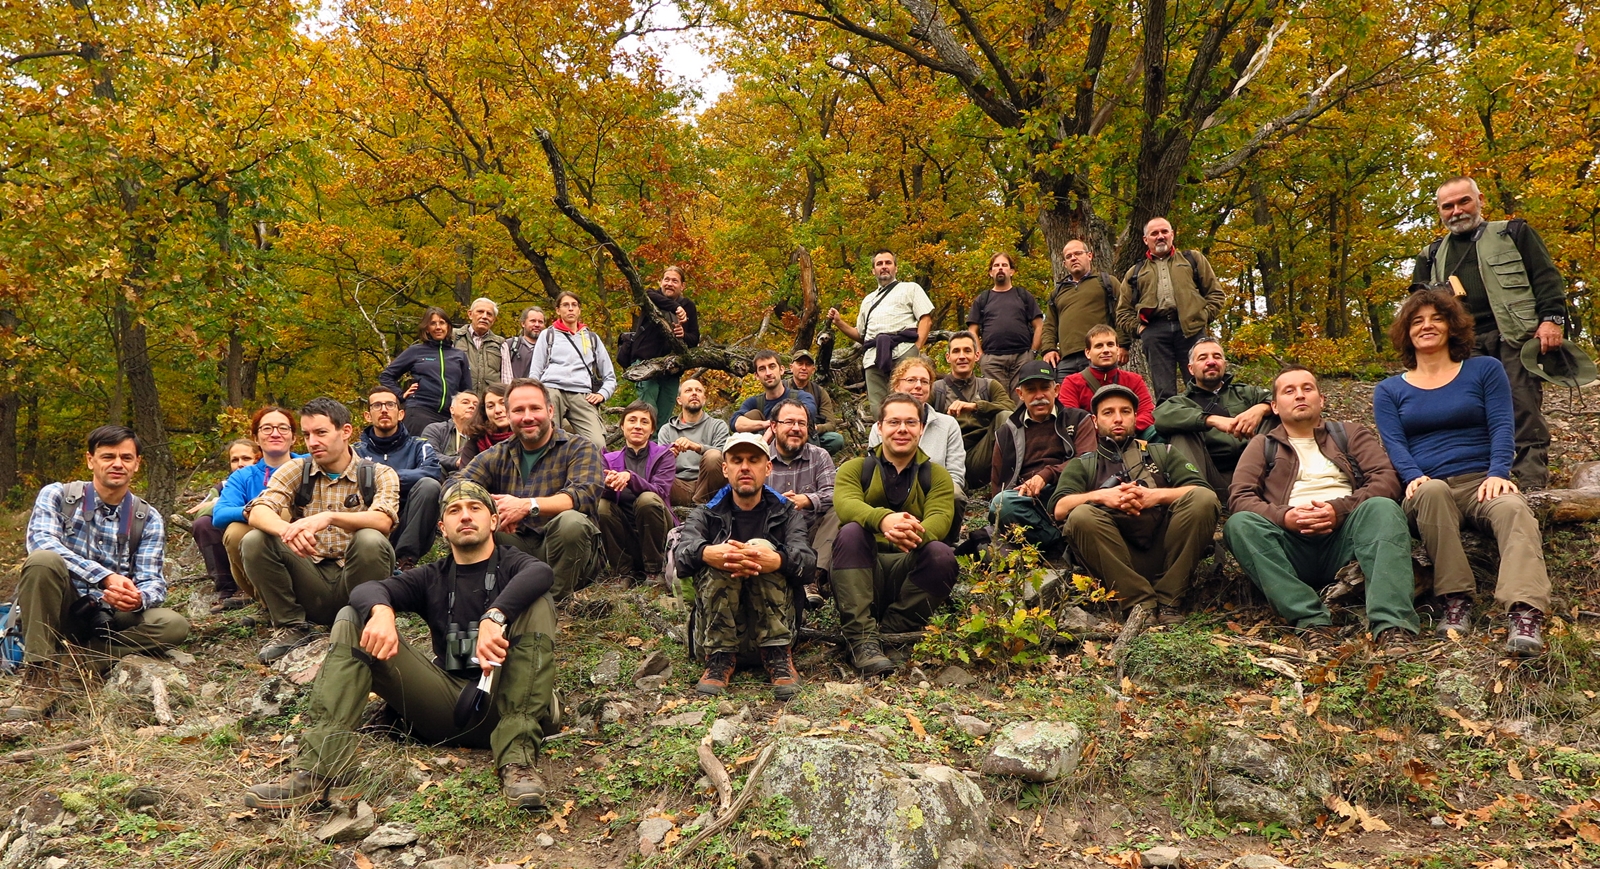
(208, 205)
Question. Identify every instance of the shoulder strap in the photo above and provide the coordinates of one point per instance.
(1111, 299)
(134, 520)
(1093, 381)
(925, 476)
(1194, 264)
(1341, 439)
(1269, 454)
(367, 481)
(308, 486)
(869, 466)
(1133, 276)
(71, 497)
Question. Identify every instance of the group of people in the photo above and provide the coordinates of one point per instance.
(498, 446)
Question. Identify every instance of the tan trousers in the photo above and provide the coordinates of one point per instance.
(578, 417)
(232, 536)
(1441, 508)
(1190, 523)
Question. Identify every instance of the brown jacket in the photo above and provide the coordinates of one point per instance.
(1267, 494)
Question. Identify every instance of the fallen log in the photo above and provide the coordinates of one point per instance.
(1563, 506)
(737, 361)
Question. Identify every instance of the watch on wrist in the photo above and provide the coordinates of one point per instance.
(533, 508)
(495, 616)
(1558, 319)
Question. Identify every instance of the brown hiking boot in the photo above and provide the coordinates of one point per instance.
(1394, 641)
(868, 657)
(523, 787)
(301, 788)
(1457, 616)
(719, 672)
(1168, 615)
(37, 693)
(285, 640)
(401, 565)
(813, 596)
(228, 602)
(1319, 637)
(1523, 639)
(780, 669)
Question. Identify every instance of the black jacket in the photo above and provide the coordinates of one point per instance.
(649, 342)
(519, 580)
(439, 369)
(712, 524)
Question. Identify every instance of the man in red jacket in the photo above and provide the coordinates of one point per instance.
(1078, 389)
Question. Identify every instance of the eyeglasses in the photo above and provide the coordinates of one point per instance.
(791, 423)
(385, 405)
(922, 380)
(275, 429)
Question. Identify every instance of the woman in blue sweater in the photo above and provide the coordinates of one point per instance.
(1447, 424)
(437, 370)
(273, 430)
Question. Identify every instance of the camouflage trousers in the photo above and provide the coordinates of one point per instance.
(738, 614)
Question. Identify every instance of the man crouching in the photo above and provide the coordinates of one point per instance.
(488, 613)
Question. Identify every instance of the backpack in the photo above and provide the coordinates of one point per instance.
(10, 637)
(1341, 439)
(1105, 284)
(366, 480)
(869, 466)
(1194, 265)
(73, 498)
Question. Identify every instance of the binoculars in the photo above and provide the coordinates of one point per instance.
(460, 648)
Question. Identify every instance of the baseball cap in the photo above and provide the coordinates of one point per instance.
(747, 439)
(465, 490)
(1113, 389)
(805, 354)
(1035, 371)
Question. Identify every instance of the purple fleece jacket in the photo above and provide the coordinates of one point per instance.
(661, 469)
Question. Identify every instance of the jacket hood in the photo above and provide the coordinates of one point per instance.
(724, 496)
(388, 444)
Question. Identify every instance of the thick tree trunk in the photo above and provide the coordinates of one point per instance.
(737, 361)
(810, 307)
(160, 471)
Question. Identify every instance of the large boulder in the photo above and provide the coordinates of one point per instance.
(868, 811)
(1252, 780)
(1039, 751)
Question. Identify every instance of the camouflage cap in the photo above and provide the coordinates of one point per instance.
(465, 490)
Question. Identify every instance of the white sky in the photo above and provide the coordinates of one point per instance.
(687, 57)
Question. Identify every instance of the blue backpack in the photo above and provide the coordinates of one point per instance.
(10, 637)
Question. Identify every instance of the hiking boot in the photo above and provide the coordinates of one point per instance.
(229, 602)
(868, 657)
(719, 672)
(301, 788)
(655, 579)
(285, 640)
(401, 565)
(779, 662)
(1393, 641)
(1457, 616)
(813, 596)
(1523, 640)
(1168, 615)
(1319, 637)
(37, 693)
(523, 787)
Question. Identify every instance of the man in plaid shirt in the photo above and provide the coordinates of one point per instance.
(87, 579)
(305, 556)
(803, 473)
(546, 485)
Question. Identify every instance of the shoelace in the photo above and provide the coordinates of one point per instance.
(1526, 620)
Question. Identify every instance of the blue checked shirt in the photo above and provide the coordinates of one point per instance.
(90, 548)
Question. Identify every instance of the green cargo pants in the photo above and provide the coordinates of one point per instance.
(521, 708)
(570, 543)
(636, 533)
(295, 589)
(1290, 567)
(743, 613)
(46, 595)
(1180, 542)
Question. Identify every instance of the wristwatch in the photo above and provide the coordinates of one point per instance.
(1558, 319)
(495, 616)
(533, 508)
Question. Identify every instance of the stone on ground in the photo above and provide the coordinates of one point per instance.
(1252, 780)
(953, 677)
(349, 828)
(1037, 751)
(1163, 857)
(609, 671)
(389, 836)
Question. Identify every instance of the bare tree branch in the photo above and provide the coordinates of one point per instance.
(1311, 109)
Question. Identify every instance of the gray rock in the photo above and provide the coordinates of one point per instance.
(455, 861)
(302, 665)
(654, 664)
(867, 811)
(882, 734)
(1461, 691)
(724, 731)
(270, 697)
(133, 675)
(1163, 857)
(543, 840)
(1585, 475)
(1038, 751)
(692, 718)
(1252, 780)
(617, 710)
(653, 830)
(210, 690)
(349, 828)
(1076, 618)
(199, 606)
(609, 672)
(54, 863)
(1258, 861)
(180, 657)
(651, 683)
(791, 724)
(971, 726)
(389, 836)
(953, 677)
(844, 689)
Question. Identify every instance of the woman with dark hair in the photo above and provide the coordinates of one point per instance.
(1447, 424)
(491, 426)
(437, 371)
(273, 430)
(576, 369)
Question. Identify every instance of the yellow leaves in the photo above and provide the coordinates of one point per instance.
(1354, 815)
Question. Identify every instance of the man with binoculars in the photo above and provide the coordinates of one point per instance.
(491, 621)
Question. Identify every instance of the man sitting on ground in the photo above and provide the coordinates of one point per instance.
(802, 376)
(1307, 497)
(754, 414)
(891, 566)
(634, 513)
(319, 529)
(488, 614)
(803, 473)
(979, 404)
(93, 573)
(1035, 444)
(546, 486)
(417, 466)
(695, 438)
(1214, 418)
(448, 436)
(941, 434)
(1078, 389)
(1138, 514)
(747, 550)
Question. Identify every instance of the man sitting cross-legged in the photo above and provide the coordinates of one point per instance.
(747, 550)
(803, 473)
(891, 566)
(415, 463)
(1310, 495)
(546, 484)
(1034, 445)
(695, 437)
(93, 573)
(1138, 514)
(319, 529)
(488, 614)
(1212, 420)
(634, 513)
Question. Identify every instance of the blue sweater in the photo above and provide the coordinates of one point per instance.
(1463, 427)
(242, 487)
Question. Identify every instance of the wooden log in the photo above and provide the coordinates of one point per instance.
(737, 361)
(1563, 506)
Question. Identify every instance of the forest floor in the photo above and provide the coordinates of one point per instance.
(1449, 756)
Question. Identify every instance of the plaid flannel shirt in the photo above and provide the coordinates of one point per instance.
(571, 465)
(811, 474)
(90, 547)
(342, 496)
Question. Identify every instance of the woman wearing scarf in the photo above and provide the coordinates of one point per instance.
(572, 362)
(491, 425)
